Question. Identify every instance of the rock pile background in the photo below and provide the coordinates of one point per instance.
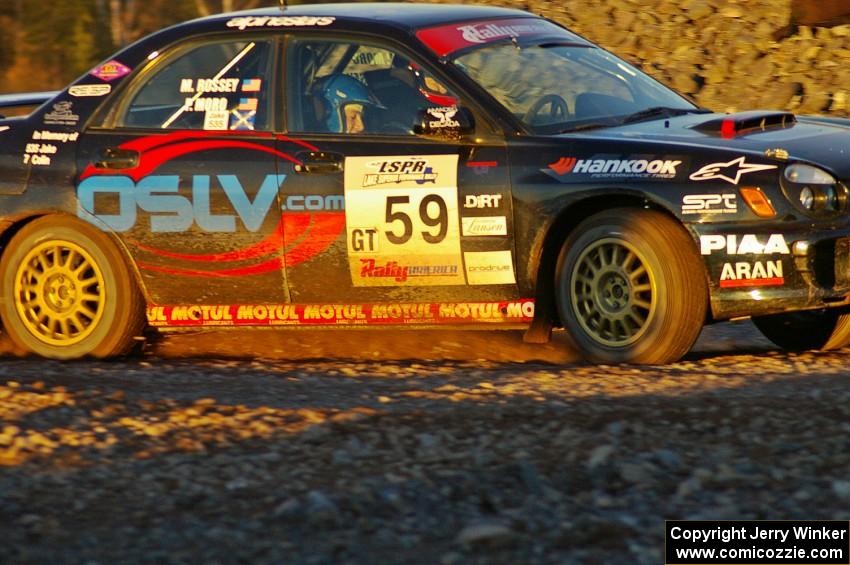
(722, 53)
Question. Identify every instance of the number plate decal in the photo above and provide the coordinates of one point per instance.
(401, 216)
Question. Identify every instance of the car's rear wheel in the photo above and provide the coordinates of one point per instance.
(801, 331)
(66, 291)
(630, 288)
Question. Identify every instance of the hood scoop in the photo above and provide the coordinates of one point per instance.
(742, 123)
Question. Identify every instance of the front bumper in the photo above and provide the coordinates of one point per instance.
(770, 269)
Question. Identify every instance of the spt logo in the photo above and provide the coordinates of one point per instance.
(171, 212)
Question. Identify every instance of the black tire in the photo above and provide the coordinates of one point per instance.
(631, 288)
(801, 331)
(66, 291)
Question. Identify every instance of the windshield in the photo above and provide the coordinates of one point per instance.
(560, 87)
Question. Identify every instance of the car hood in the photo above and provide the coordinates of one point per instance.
(817, 140)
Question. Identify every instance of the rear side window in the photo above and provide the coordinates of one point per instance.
(216, 86)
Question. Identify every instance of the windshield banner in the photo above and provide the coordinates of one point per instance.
(447, 39)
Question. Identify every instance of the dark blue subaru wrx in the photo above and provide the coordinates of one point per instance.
(368, 165)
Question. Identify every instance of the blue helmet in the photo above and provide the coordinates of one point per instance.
(336, 92)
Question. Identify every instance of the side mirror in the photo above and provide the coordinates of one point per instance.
(445, 122)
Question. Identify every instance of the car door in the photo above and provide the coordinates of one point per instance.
(384, 215)
(182, 166)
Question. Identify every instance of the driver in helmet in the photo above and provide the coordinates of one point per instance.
(344, 101)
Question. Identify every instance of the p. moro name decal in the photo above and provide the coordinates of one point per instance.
(246, 22)
(748, 244)
(169, 211)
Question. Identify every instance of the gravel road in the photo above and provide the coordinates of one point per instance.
(451, 448)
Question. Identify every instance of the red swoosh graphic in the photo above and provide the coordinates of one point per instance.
(151, 160)
(269, 245)
(324, 230)
(311, 234)
(275, 264)
(143, 144)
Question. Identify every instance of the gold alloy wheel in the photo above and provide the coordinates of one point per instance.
(59, 293)
(612, 292)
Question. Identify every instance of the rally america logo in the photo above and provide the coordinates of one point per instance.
(482, 33)
(601, 166)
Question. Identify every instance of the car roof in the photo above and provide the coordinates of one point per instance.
(399, 13)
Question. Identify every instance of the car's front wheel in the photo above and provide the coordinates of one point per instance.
(631, 288)
(66, 291)
(801, 331)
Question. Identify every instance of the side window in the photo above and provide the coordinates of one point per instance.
(352, 87)
(215, 86)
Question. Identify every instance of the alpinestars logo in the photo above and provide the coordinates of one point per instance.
(730, 172)
(602, 166)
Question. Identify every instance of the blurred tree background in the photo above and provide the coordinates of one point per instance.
(45, 45)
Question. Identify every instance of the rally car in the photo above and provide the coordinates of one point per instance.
(420, 165)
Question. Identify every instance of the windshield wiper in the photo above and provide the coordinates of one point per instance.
(661, 112)
(550, 44)
(588, 126)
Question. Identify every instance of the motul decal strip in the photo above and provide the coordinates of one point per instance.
(515, 311)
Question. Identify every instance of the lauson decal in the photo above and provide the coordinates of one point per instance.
(484, 225)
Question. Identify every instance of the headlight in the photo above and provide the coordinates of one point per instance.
(806, 174)
(814, 190)
(807, 198)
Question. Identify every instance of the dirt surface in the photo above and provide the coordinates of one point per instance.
(411, 447)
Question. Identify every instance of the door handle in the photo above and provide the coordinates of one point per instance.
(114, 158)
(318, 163)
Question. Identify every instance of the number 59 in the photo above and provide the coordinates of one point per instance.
(440, 220)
